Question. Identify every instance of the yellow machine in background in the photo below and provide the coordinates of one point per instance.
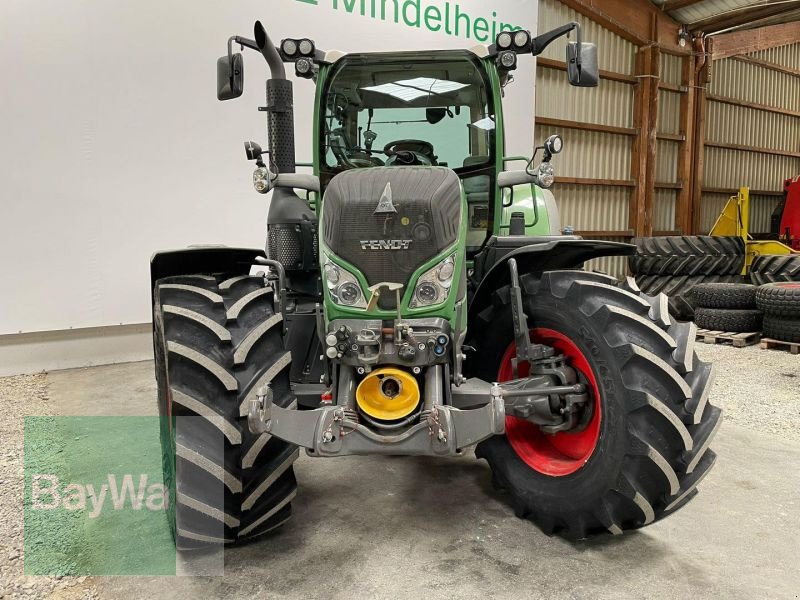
(735, 221)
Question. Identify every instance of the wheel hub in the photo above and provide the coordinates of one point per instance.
(561, 453)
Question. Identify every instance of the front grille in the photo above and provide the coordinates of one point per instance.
(294, 245)
(428, 204)
(286, 244)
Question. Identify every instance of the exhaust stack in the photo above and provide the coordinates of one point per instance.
(280, 106)
(291, 225)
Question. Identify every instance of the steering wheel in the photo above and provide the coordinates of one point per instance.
(402, 149)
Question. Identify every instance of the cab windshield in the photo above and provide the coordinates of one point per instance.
(405, 110)
(428, 110)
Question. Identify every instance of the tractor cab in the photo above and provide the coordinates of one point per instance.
(433, 109)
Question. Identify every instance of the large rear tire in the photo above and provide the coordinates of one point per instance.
(217, 341)
(650, 447)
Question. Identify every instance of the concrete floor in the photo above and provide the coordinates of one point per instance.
(415, 527)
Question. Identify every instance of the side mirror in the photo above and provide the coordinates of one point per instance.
(582, 66)
(230, 76)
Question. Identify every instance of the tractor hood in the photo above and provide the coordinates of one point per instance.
(388, 222)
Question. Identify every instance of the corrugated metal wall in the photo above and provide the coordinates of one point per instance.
(747, 145)
(589, 154)
(732, 122)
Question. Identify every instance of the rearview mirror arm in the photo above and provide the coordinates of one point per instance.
(253, 45)
(541, 42)
(243, 42)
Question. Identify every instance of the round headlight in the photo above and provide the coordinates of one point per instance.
(445, 272)
(504, 40)
(332, 273)
(289, 47)
(303, 66)
(349, 294)
(546, 175)
(306, 47)
(427, 293)
(508, 59)
(521, 39)
(554, 144)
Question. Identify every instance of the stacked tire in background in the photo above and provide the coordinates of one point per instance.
(781, 305)
(727, 307)
(675, 265)
(779, 295)
(772, 269)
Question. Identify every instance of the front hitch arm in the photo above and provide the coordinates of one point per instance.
(444, 431)
(334, 431)
(553, 408)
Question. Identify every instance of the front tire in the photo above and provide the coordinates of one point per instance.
(217, 340)
(654, 422)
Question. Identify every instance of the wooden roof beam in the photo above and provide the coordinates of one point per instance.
(755, 40)
(638, 21)
(671, 5)
(743, 17)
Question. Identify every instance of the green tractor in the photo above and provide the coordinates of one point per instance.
(418, 298)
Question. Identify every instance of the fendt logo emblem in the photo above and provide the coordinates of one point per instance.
(386, 244)
(385, 204)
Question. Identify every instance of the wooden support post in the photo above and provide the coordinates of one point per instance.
(702, 77)
(684, 208)
(643, 157)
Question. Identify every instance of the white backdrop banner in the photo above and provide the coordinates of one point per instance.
(114, 145)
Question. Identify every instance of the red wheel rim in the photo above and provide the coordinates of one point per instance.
(563, 453)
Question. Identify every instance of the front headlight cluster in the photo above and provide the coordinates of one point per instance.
(546, 174)
(262, 180)
(343, 286)
(434, 285)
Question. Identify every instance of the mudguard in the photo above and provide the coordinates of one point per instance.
(558, 254)
(202, 259)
